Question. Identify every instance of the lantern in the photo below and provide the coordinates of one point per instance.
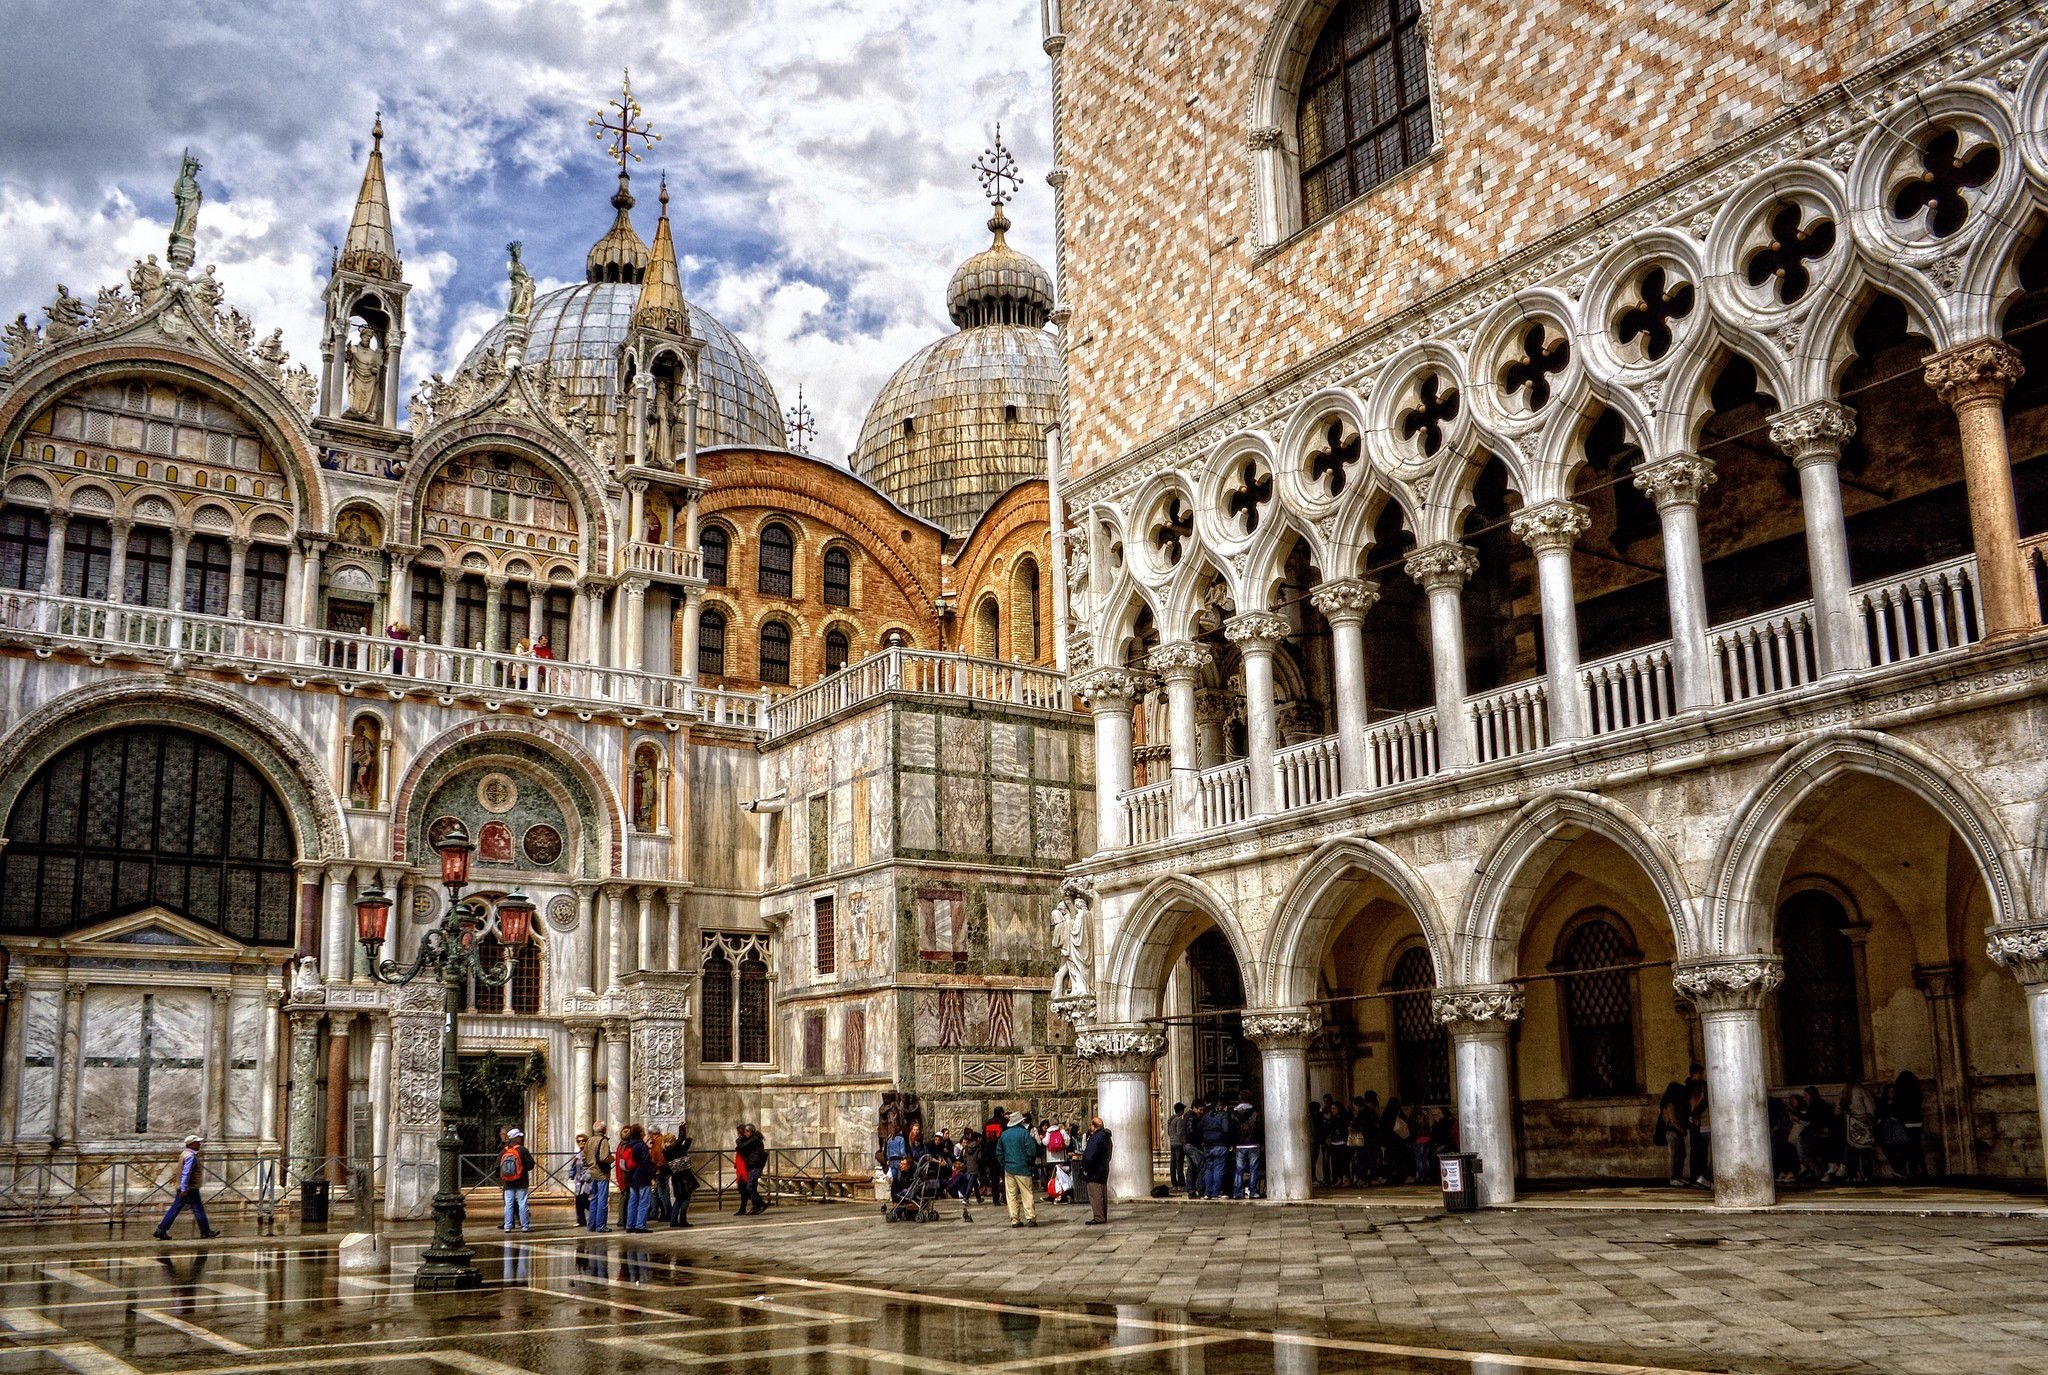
(455, 848)
(373, 917)
(515, 919)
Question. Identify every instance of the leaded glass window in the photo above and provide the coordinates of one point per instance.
(716, 977)
(1820, 1024)
(838, 577)
(775, 652)
(147, 576)
(716, 547)
(1364, 113)
(263, 580)
(88, 559)
(427, 591)
(519, 994)
(208, 564)
(733, 980)
(753, 1007)
(711, 645)
(1422, 1048)
(778, 560)
(1599, 1009)
(24, 546)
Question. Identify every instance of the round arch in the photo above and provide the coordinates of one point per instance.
(1311, 911)
(1150, 935)
(452, 749)
(502, 435)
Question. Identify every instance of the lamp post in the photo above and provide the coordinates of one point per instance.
(449, 946)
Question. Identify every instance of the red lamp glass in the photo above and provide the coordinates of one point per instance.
(373, 916)
(455, 848)
(515, 919)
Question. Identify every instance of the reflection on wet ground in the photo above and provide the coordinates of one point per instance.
(585, 1308)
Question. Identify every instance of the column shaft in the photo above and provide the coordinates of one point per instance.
(380, 1101)
(337, 1145)
(1674, 484)
(1813, 435)
(1973, 379)
(1442, 570)
(616, 1046)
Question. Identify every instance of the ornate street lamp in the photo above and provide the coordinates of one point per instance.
(450, 946)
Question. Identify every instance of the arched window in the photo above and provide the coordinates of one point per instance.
(1025, 634)
(147, 581)
(263, 579)
(715, 977)
(1364, 113)
(733, 978)
(711, 645)
(716, 547)
(520, 994)
(775, 652)
(1820, 1023)
(150, 816)
(753, 1007)
(24, 545)
(838, 577)
(207, 565)
(987, 628)
(1422, 1048)
(836, 650)
(1599, 1009)
(778, 560)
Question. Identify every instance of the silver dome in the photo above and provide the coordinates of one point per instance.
(578, 330)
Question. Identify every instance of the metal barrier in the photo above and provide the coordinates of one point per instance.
(92, 1189)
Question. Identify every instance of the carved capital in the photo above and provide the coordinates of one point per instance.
(1675, 481)
(1109, 688)
(1121, 1049)
(1179, 659)
(1477, 1007)
(1980, 371)
(1445, 564)
(1283, 1028)
(2021, 949)
(1264, 136)
(1814, 433)
(1937, 981)
(1257, 630)
(1552, 526)
(1346, 599)
(1076, 1008)
(1729, 985)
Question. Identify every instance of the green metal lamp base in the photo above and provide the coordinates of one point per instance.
(440, 1275)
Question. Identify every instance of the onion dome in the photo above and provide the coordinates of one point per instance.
(621, 255)
(999, 285)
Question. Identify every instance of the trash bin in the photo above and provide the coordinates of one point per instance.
(1461, 1182)
(313, 1199)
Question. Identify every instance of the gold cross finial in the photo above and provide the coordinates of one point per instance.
(628, 125)
(998, 173)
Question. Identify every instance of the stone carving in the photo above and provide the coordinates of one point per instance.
(206, 291)
(561, 913)
(1730, 985)
(1675, 481)
(185, 220)
(1477, 1006)
(2021, 949)
(68, 316)
(1443, 564)
(661, 1001)
(1345, 599)
(270, 355)
(1179, 658)
(305, 978)
(1282, 1029)
(1073, 927)
(519, 308)
(365, 363)
(1110, 688)
(1121, 1049)
(1980, 371)
(1257, 628)
(1813, 433)
(1552, 526)
(146, 281)
(23, 338)
(496, 793)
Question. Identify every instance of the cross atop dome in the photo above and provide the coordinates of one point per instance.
(631, 123)
(997, 171)
(801, 424)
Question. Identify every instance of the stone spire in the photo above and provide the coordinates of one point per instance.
(661, 291)
(370, 248)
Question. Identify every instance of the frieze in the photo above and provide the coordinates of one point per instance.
(1737, 985)
(1477, 1006)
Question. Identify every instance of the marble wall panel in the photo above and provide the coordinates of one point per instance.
(1010, 818)
(245, 1066)
(1053, 826)
(1009, 749)
(143, 1057)
(916, 739)
(920, 811)
(963, 815)
(962, 741)
(41, 1028)
(842, 824)
(1051, 755)
(1016, 931)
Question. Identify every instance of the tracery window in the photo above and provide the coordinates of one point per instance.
(711, 645)
(88, 559)
(1820, 1024)
(208, 564)
(263, 580)
(520, 994)
(716, 547)
(149, 815)
(733, 979)
(838, 577)
(147, 576)
(837, 649)
(24, 546)
(1364, 112)
(427, 591)
(1422, 1048)
(775, 652)
(1599, 1009)
(778, 560)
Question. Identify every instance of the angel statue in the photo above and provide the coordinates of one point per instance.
(521, 308)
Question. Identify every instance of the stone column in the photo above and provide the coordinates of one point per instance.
(1813, 436)
(658, 1005)
(117, 561)
(181, 550)
(1729, 993)
(309, 585)
(615, 939)
(1282, 1036)
(53, 554)
(336, 946)
(398, 592)
(266, 1101)
(1344, 604)
(1256, 634)
(301, 1149)
(586, 936)
(644, 931)
(70, 1044)
(380, 1099)
(1550, 530)
(238, 573)
(337, 1143)
(673, 945)
(1478, 1018)
(451, 584)
(1443, 569)
(2024, 951)
(14, 1007)
(412, 1164)
(1109, 693)
(1675, 484)
(494, 610)
(693, 615)
(582, 1075)
(1180, 664)
(1212, 715)
(1941, 983)
(1123, 1057)
(536, 608)
(1973, 379)
(618, 1102)
(632, 650)
(214, 1114)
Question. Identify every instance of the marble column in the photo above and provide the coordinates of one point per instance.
(302, 1151)
(494, 611)
(1941, 983)
(615, 939)
(451, 587)
(214, 1114)
(1812, 436)
(1109, 693)
(181, 551)
(1443, 569)
(14, 1007)
(1180, 664)
(380, 1098)
(1257, 634)
(64, 1121)
(1212, 716)
(1478, 1019)
(1282, 1035)
(1972, 379)
(632, 648)
(337, 949)
(1344, 604)
(582, 1075)
(587, 945)
(117, 562)
(673, 944)
(1729, 992)
(266, 1101)
(398, 593)
(309, 584)
(238, 574)
(536, 608)
(2024, 951)
(336, 1147)
(1550, 530)
(53, 554)
(616, 1085)
(644, 930)
(1123, 1057)
(1675, 484)
(693, 615)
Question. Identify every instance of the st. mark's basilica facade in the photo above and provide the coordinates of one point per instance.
(1500, 579)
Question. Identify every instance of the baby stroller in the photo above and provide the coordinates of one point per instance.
(917, 1198)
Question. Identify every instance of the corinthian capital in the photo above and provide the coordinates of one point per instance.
(1675, 481)
(1728, 985)
(1110, 688)
(2022, 949)
(1551, 526)
(1477, 1007)
(1121, 1049)
(1179, 659)
(1983, 370)
(1814, 433)
(1345, 599)
(1257, 629)
(1445, 564)
(1283, 1028)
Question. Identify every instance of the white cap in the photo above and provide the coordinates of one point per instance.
(194, 1139)
(515, 1135)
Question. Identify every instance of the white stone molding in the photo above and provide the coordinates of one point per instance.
(1110, 689)
(1733, 984)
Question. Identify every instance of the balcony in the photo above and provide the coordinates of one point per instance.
(103, 631)
(664, 561)
(1930, 611)
(923, 672)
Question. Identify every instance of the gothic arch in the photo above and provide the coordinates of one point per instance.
(1775, 816)
(301, 778)
(1310, 913)
(1486, 947)
(579, 769)
(1148, 937)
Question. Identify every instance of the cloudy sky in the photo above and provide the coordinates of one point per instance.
(818, 155)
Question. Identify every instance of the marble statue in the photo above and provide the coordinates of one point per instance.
(22, 337)
(520, 310)
(271, 353)
(185, 223)
(68, 316)
(365, 377)
(146, 281)
(206, 290)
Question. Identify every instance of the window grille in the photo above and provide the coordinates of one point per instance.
(824, 937)
(208, 564)
(147, 577)
(733, 972)
(711, 645)
(775, 652)
(24, 546)
(1422, 1048)
(778, 561)
(838, 577)
(1364, 113)
(836, 650)
(717, 551)
(1599, 1010)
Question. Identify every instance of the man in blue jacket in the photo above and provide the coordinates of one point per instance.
(1095, 1153)
(187, 1195)
(1212, 1133)
(1017, 1150)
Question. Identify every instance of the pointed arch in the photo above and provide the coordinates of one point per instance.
(1311, 912)
(1150, 934)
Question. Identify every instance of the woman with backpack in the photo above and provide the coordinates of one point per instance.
(515, 1177)
(636, 1170)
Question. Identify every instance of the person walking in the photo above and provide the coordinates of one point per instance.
(598, 1159)
(515, 1178)
(682, 1180)
(1095, 1157)
(579, 1179)
(187, 1194)
(1177, 1147)
(749, 1159)
(1249, 1129)
(1018, 1152)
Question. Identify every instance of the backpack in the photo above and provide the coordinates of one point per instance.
(511, 1169)
(1055, 1140)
